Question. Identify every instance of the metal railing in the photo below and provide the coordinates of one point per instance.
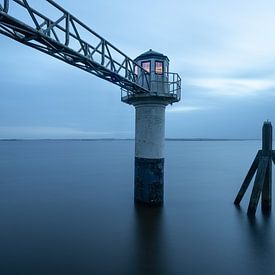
(164, 85)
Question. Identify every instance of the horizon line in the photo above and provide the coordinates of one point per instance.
(114, 139)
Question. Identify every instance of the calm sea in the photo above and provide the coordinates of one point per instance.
(66, 207)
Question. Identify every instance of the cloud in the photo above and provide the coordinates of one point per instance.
(183, 109)
(234, 86)
(55, 132)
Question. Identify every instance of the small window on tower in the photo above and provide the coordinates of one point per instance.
(159, 67)
(146, 66)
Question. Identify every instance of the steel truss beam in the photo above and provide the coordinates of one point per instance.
(66, 38)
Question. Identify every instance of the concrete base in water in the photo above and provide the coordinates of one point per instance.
(149, 175)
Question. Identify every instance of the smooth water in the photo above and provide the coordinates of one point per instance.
(66, 207)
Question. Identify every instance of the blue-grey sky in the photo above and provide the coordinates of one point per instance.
(223, 50)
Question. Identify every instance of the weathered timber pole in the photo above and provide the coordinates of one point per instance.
(267, 152)
(262, 166)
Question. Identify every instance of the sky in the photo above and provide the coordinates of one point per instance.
(224, 52)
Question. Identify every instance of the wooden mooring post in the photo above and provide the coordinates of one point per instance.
(263, 180)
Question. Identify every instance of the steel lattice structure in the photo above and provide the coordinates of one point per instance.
(66, 38)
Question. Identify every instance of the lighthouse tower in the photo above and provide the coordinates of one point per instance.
(164, 89)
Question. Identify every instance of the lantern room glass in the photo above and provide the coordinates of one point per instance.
(146, 66)
(136, 70)
(159, 67)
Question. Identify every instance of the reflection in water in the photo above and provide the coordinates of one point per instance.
(258, 235)
(149, 257)
(61, 211)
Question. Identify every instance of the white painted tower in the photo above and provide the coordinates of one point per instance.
(164, 89)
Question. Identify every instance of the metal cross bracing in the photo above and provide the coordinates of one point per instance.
(66, 38)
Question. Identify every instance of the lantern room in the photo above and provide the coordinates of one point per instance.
(151, 72)
(152, 61)
(157, 65)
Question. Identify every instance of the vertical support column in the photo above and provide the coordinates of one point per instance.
(6, 6)
(149, 151)
(267, 151)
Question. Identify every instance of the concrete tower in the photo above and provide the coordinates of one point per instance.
(150, 107)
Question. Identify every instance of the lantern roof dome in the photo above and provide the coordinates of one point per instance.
(151, 54)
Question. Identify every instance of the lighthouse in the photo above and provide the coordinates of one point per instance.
(145, 82)
(164, 89)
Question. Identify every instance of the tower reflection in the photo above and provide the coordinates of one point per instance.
(149, 244)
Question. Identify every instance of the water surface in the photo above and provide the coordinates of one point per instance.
(66, 207)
